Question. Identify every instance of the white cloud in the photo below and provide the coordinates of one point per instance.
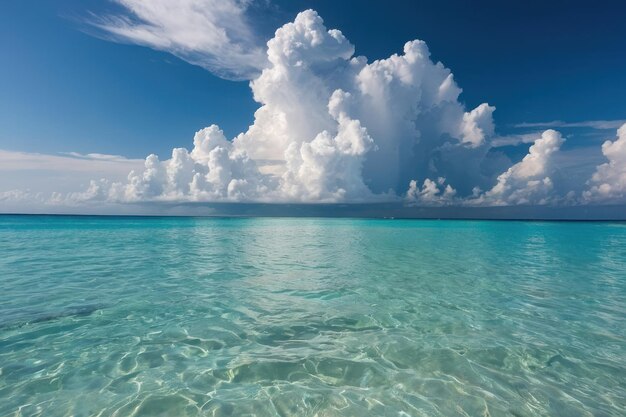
(514, 139)
(329, 168)
(608, 183)
(95, 156)
(14, 161)
(29, 180)
(213, 34)
(527, 182)
(331, 127)
(592, 124)
(478, 125)
(212, 171)
(42, 174)
(21, 196)
(432, 193)
(407, 104)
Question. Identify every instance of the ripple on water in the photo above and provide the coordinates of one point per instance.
(235, 317)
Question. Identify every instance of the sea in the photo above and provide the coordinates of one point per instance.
(183, 316)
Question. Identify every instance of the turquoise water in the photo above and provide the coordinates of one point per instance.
(311, 317)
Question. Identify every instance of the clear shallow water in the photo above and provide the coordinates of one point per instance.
(304, 317)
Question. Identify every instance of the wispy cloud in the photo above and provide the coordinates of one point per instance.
(66, 162)
(39, 176)
(515, 139)
(591, 124)
(213, 34)
(96, 156)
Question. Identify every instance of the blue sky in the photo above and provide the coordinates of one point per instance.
(67, 86)
(64, 90)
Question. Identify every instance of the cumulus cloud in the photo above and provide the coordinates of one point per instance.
(407, 104)
(478, 125)
(528, 181)
(329, 168)
(212, 171)
(431, 193)
(213, 34)
(608, 183)
(332, 127)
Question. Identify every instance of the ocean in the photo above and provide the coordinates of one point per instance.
(164, 316)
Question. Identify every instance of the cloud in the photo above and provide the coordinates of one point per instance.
(431, 193)
(608, 183)
(213, 34)
(592, 124)
(331, 128)
(527, 182)
(41, 174)
(478, 125)
(73, 163)
(329, 168)
(21, 196)
(212, 171)
(514, 139)
(407, 104)
(96, 156)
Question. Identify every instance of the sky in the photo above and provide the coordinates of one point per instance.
(146, 106)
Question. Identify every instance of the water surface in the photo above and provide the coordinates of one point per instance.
(178, 317)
